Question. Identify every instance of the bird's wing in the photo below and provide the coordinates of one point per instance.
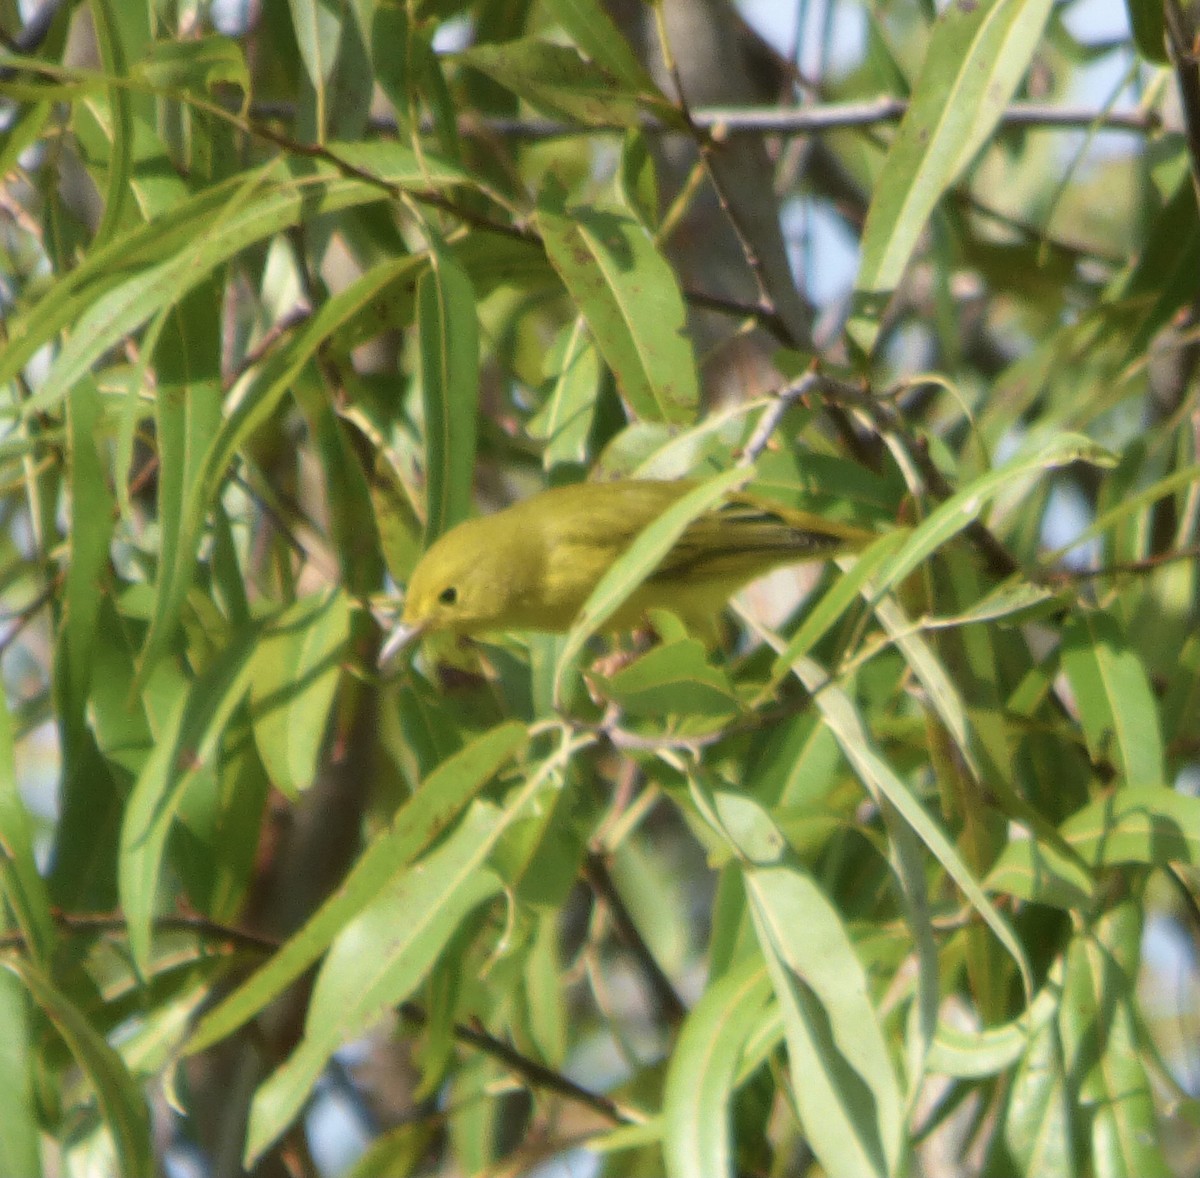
(745, 535)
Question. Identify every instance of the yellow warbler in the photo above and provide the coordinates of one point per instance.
(533, 565)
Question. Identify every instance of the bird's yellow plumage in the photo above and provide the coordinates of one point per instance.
(533, 565)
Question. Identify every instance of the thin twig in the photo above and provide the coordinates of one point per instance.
(768, 423)
(670, 1005)
(115, 923)
(293, 318)
(768, 307)
(1119, 568)
(535, 1074)
(810, 119)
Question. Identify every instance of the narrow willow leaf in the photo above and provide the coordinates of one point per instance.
(593, 31)
(421, 820)
(975, 1055)
(20, 1145)
(1101, 1041)
(565, 421)
(630, 297)
(318, 28)
(23, 887)
(115, 53)
(194, 66)
(835, 602)
(449, 336)
(702, 1073)
(1139, 824)
(1112, 692)
(1147, 22)
(673, 678)
(844, 1083)
(1040, 1116)
(118, 288)
(118, 1095)
(976, 57)
(294, 671)
(87, 572)
(557, 81)
(184, 749)
(187, 413)
(1040, 873)
(377, 961)
(965, 506)
(857, 745)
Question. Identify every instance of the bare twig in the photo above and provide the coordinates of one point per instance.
(293, 318)
(1126, 567)
(534, 1074)
(810, 119)
(670, 1005)
(768, 308)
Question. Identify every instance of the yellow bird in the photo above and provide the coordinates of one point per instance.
(534, 564)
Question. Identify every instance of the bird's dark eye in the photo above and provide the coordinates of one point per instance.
(448, 596)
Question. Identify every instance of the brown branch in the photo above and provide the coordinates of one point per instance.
(1181, 41)
(1119, 568)
(535, 1074)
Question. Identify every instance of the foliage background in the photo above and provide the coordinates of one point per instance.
(867, 890)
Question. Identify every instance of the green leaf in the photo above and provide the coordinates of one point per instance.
(279, 374)
(844, 1084)
(565, 421)
(417, 824)
(702, 1071)
(187, 413)
(1101, 1040)
(185, 749)
(976, 57)
(24, 889)
(114, 26)
(1040, 873)
(196, 66)
(1116, 704)
(1147, 21)
(20, 1147)
(631, 300)
(1138, 824)
(1040, 1117)
(594, 33)
(377, 961)
(975, 1055)
(449, 335)
(117, 1095)
(556, 80)
(294, 672)
(123, 285)
(673, 678)
(881, 781)
(318, 25)
(965, 506)
(835, 602)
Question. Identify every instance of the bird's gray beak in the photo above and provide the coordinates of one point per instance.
(403, 635)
